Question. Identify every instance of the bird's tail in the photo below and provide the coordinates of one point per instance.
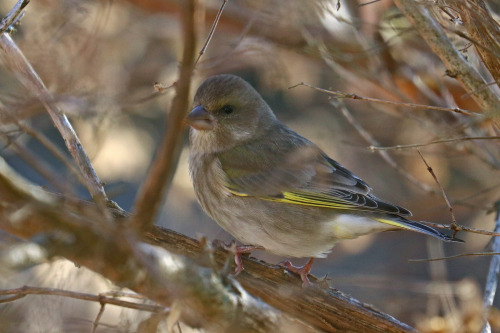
(403, 223)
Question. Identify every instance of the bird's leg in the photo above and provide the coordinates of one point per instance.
(303, 271)
(238, 250)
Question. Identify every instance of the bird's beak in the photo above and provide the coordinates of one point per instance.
(200, 119)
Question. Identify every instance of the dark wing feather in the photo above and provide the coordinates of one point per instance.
(288, 168)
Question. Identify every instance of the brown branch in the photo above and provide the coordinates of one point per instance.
(162, 171)
(14, 14)
(40, 166)
(65, 227)
(484, 33)
(207, 296)
(211, 32)
(457, 227)
(324, 309)
(339, 94)
(453, 219)
(456, 65)
(26, 74)
(98, 317)
(28, 290)
(418, 145)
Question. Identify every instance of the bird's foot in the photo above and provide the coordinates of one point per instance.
(302, 271)
(238, 251)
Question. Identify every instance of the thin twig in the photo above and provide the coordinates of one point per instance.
(98, 317)
(492, 279)
(459, 227)
(52, 148)
(418, 145)
(473, 41)
(473, 254)
(464, 96)
(33, 83)
(28, 290)
(385, 156)
(40, 166)
(339, 94)
(453, 219)
(14, 14)
(211, 32)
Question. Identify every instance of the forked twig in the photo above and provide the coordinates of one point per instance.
(28, 290)
(453, 219)
(459, 227)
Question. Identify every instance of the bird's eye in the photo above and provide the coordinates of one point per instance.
(227, 109)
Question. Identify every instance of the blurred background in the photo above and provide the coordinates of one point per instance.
(100, 60)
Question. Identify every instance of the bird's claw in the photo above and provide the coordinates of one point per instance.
(302, 271)
(238, 251)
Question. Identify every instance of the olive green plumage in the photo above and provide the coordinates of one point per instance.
(266, 185)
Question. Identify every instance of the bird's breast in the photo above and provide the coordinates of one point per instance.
(208, 181)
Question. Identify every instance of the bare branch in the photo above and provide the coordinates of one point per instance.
(339, 94)
(41, 167)
(98, 317)
(453, 219)
(419, 145)
(418, 15)
(207, 297)
(492, 278)
(28, 290)
(52, 148)
(473, 254)
(459, 227)
(32, 82)
(14, 14)
(162, 171)
(211, 32)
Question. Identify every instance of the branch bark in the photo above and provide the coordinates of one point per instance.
(264, 298)
(427, 27)
(163, 169)
(30, 79)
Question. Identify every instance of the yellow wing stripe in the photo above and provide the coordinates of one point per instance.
(308, 199)
(316, 201)
(394, 223)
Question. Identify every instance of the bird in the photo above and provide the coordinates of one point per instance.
(273, 189)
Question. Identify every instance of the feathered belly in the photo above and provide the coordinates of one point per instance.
(281, 228)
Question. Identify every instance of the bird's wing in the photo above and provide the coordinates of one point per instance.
(295, 171)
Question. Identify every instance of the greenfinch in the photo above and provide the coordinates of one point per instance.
(271, 188)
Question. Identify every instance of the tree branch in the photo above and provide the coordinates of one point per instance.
(29, 78)
(492, 278)
(163, 169)
(182, 270)
(455, 63)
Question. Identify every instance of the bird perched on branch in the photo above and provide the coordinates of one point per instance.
(273, 189)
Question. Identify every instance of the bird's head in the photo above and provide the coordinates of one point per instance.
(227, 111)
